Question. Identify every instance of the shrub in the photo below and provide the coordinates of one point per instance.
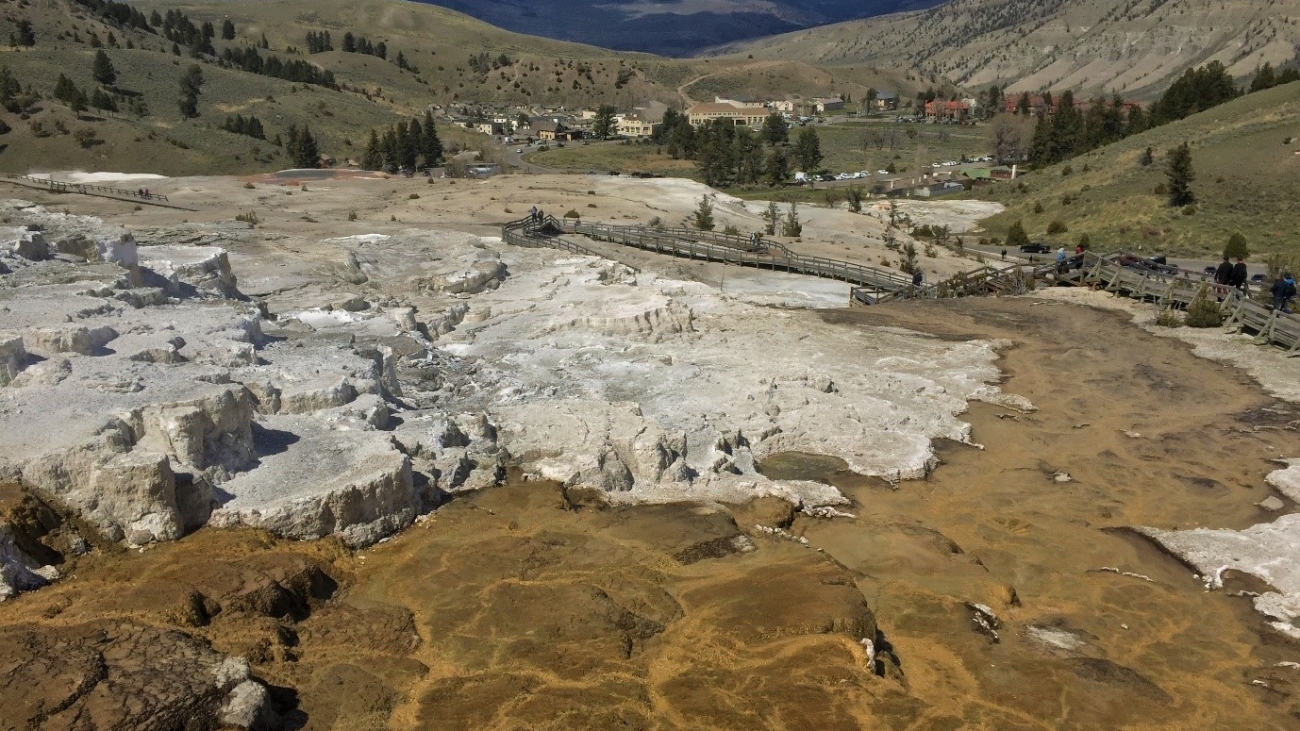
(352, 215)
(930, 251)
(731, 231)
(1038, 208)
(1204, 311)
(1169, 317)
(1189, 209)
(249, 186)
(1084, 241)
(1066, 200)
(249, 218)
(1236, 247)
(572, 213)
(1057, 227)
(1160, 189)
(1067, 170)
(1016, 235)
(413, 197)
(591, 205)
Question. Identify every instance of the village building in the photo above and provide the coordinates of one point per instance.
(633, 126)
(741, 116)
(827, 104)
(884, 101)
(953, 110)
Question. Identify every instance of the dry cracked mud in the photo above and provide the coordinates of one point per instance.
(992, 595)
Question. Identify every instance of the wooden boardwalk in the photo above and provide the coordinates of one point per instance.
(870, 285)
(1176, 289)
(102, 191)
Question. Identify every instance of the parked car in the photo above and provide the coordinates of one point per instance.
(1257, 279)
(1035, 249)
(882, 172)
(1151, 265)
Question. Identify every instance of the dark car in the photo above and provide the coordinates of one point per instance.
(1257, 279)
(1035, 249)
(1150, 265)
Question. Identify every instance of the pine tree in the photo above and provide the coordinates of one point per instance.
(775, 131)
(381, 51)
(778, 168)
(1180, 174)
(704, 214)
(605, 123)
(771, 217)
(431, 145)
(26, 34)
(1148, 157)
(349, 43)
(373, 159)
(411, 144)
(791, 226)
(103, 69)
(303, 149)
(1016, 235)
(227, 30)
(191, 87)
(808, 150)
(99, 99)
(1236, 247)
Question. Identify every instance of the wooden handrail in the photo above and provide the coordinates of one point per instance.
(59, 186)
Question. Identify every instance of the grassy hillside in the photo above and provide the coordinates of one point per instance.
(1248, 179)
(1133, 47)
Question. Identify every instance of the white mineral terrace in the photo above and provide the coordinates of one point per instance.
(144, 391)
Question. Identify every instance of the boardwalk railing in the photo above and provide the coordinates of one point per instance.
(57, 186)
(871, 285)
(1177, 288)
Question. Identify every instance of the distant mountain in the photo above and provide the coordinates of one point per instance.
(1134, 47)
(668, 27)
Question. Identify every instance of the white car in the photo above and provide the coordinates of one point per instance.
(844, 176)
(936, 164)
(882, 172)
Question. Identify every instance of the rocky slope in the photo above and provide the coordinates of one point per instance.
(1133, 48)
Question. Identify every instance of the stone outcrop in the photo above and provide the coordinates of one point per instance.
(32, 246)
(123, 676)
(13, 357)
(188, 270)
(354, 485)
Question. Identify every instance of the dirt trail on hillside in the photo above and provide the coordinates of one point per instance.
(532, 607)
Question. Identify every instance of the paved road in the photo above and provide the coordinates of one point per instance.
(514, 159)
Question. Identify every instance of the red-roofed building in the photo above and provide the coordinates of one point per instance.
(957, 111)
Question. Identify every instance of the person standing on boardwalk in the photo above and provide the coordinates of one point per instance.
(1223, 275)
(1239, 274)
